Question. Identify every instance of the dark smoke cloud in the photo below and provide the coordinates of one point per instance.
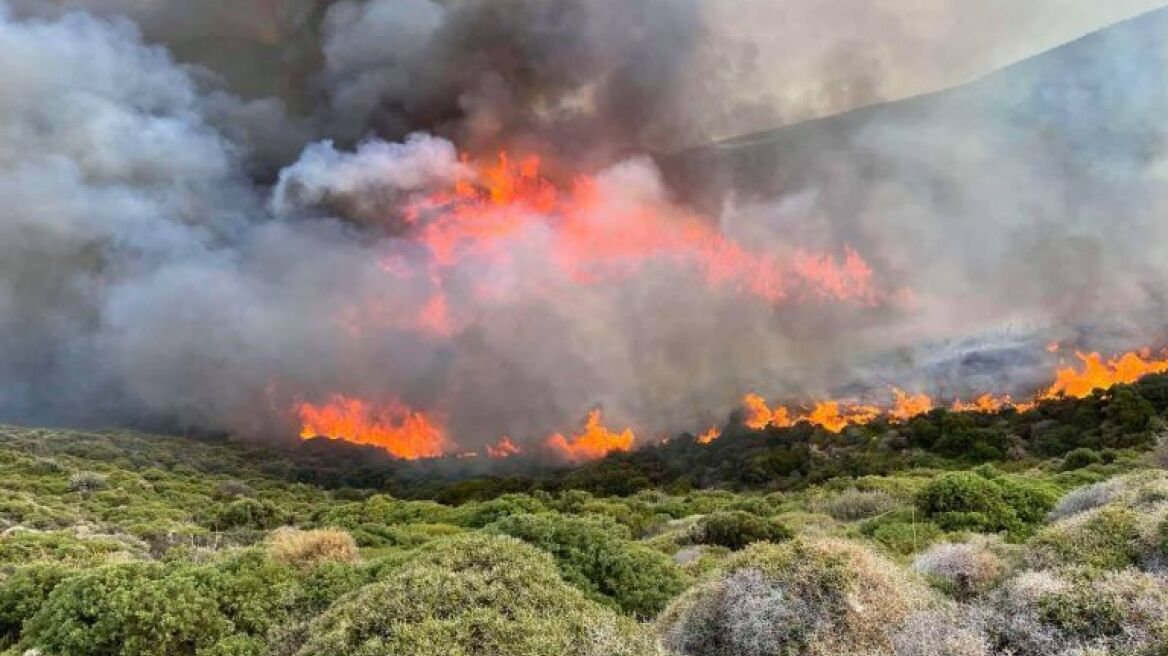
(205, 245)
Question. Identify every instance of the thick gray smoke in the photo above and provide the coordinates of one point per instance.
(208, 245)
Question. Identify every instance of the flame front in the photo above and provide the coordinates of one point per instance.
(1098, 374)
(836, 415)
(589, 233)
(759, 415)
(593, 443)
(906, 406)
(392, 426)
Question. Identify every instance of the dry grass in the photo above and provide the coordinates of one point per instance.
(293, 546)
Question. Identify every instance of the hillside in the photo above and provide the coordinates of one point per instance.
(124, 543)
(424, 307)
(1086, 101)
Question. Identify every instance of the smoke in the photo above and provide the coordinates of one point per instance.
(213, 214)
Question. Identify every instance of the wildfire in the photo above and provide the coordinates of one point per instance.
(906, 406)
(1098, 374)
(990, 403)
(595, 235)
(403, 432)
(593, 443)
(834, 416)
(712, 433)
(504, 448)
(759, 415)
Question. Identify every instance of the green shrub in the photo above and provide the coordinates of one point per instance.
(1080, 458)
(966, 501)
(22, 592)
(903, 532)
(1106, 537)
(735, 529)
(596, 556)
(474, 595)
(151, 609)
(23, 547)
(250, 513)
(133, 609)
(478, 515)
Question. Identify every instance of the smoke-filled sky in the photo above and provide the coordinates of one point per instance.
(217, 212)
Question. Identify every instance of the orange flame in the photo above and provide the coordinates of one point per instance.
(594, 443)
(759, 416)
(835, 416)
(594, 237)
(983, 403)
(906, 406)
(1097, 374)
(504, 448)
(712, 433)
(392, 426)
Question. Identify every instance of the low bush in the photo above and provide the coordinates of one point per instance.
(735, 529)
(307, 548)
(1080, 458)
(1114, 612)
(87, 482)
(964, 569)
(23, 590)
(1107, 537)
(854, 504)
(797, 598)
(249, 513)
(967, 501)
(474, 595)
(133, 609)
(596, 556)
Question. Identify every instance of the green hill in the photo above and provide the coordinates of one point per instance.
(887, 538)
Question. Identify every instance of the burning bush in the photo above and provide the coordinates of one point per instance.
(474, 595)
(800, 598)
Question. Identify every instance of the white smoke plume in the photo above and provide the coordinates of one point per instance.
(206, 245)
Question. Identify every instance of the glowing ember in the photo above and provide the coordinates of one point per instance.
(504, 448)
(712, 433)
(594, 443)
(1097, 374)
(392, 426)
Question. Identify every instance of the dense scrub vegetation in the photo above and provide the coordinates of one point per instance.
(1042, 533)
